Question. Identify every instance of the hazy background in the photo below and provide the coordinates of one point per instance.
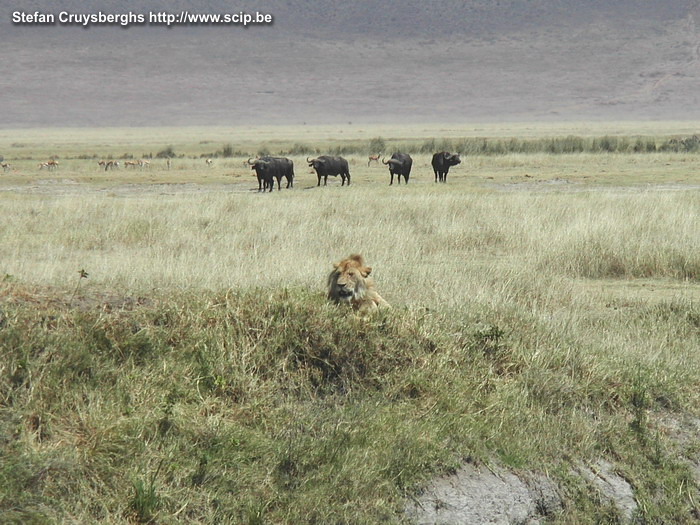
(333, 61)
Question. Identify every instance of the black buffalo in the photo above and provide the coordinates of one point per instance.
(326, 165)
(268, 169)
(441, 164)
(399, 164)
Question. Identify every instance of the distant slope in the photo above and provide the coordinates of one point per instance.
(331, 61)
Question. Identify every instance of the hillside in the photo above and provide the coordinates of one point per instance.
(359, 62)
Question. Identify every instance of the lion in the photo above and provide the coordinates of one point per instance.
(349, 283)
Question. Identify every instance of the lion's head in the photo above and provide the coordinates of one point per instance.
(349, 283)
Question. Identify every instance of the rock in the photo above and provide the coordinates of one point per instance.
(481, 495)
(612, 487)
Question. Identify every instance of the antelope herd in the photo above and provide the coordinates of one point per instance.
(107, 165)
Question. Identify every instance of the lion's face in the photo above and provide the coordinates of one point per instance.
(347, 282)
(350, 284)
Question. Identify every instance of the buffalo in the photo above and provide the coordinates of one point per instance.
(441, 164)
(399, 164)
(326, 165)
(268, 169)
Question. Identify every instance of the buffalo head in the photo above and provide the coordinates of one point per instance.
(258, 163)
(453, 159)
(315, 163)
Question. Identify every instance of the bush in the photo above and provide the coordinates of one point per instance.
(227, 151)
(167, 153)
(376, 145)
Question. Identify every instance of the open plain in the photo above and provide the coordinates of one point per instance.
(169, 356)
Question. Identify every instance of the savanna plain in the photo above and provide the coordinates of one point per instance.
(169, 356)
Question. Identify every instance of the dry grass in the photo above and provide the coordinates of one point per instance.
(429, 237)
(533, 321)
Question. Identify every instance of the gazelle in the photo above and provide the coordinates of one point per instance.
(144, 163)
(374, 158)
(108, 164)
(6, 166)
(130, 164)
(209, 162)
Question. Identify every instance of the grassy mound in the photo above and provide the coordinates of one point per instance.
(273, 406)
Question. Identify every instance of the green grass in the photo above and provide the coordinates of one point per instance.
(272, 406)
(196, 374)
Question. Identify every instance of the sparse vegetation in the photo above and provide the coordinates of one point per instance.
(500, 146)
(200, 376)
(301, 149)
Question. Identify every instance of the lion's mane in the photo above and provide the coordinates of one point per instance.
(349, 283)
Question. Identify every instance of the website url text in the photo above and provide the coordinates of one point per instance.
(152, 18)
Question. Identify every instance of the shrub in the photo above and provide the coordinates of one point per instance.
(377, 145)
(167, 153)
(227, 151)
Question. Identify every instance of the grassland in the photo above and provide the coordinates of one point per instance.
(546, 312)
